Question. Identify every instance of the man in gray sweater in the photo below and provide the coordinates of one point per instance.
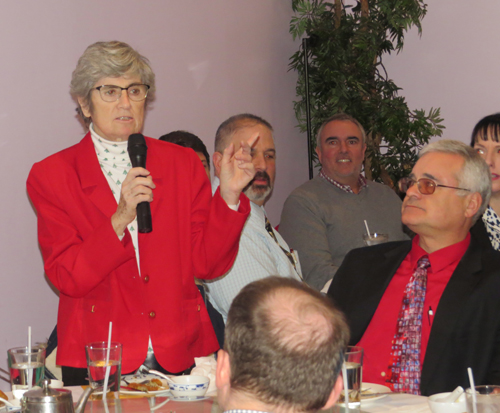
(323, 219)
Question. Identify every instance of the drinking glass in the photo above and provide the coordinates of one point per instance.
(487, 399)
(375, 238)
(96, 364)
(27, 368)
(352, 375)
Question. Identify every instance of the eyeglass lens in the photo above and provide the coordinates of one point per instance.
(424, 185)
(110, 93)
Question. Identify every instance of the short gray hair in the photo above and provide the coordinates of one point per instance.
(109, 59)
(475, 174)
(227, 128)
(343, 117)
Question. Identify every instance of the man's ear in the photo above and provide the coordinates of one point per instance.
(334, 395)
(217, 159)
(84, 105)
(223, 379)
(473, 204)
(318, 152)
(223, 372)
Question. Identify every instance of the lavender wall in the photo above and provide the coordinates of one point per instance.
(454, 65)
(212, 59)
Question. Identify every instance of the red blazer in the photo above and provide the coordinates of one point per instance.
(96, 273)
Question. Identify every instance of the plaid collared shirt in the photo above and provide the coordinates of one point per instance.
(346, 188)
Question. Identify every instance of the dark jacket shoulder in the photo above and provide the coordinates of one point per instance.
(479, 233)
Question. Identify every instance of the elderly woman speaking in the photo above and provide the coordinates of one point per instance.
(86, 198)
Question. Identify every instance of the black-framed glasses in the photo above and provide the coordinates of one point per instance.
(425, 186)
(111, 93)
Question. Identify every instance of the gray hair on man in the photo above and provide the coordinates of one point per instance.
(343, 117)
(227, 128)
(475, 174)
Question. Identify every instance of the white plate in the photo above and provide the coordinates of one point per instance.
(6, 408)
(137, 378)
(188, 399)
(374, 388)
(15, 408)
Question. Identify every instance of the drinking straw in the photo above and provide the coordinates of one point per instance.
(30, 370)
(105, 401)
(472, 390)
(346, 387)
(108, 367)
(367, 229)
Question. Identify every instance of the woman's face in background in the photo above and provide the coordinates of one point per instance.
(490, 152)
(115, 121)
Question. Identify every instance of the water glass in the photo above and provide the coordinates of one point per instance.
(27, 368)
(352, 375)
(375, 238)
(96, 364)
(487, 399)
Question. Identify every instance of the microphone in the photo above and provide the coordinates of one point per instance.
(138, 150)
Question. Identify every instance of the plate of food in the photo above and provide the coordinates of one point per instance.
(371, 392)
(143, 383)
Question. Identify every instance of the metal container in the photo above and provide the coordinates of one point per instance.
(48, 400)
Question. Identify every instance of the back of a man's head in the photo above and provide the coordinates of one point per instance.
(285, 343)
(187, 140)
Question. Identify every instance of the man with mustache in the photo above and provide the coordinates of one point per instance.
(425, 310)
(323, 219)
(262, 251)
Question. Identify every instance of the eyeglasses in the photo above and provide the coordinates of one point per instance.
(425, 186)
(111, 93)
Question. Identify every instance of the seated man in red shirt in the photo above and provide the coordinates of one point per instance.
(425, 310)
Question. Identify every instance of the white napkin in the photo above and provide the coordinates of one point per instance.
(206, 366)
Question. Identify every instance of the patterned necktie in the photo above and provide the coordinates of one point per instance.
(288, 254)
(404, 365)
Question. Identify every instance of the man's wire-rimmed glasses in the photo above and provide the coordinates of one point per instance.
(425, 186)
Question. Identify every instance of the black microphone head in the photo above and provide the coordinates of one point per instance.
(137, 150)
(136, 141)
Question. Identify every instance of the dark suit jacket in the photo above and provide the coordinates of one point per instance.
(479, 232)
(466, 328)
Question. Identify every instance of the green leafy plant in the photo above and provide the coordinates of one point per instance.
(346, 44)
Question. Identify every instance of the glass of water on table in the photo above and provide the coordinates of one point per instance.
(26, 367)
(375, 238)
(97, 354)
(352, 376)
(487, 399)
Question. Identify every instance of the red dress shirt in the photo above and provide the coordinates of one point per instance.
(378, 337)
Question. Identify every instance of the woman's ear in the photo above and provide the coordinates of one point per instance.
(84, 105)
